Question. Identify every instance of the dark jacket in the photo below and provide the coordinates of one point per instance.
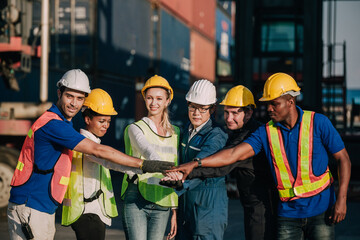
(255, 166)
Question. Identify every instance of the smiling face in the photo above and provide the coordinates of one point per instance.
(156, 101)
(70, 102)
(236, 117)
(198, 114)
(279, 108)
(98, 125)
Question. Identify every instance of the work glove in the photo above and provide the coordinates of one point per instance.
(178, 185)
(156, 166)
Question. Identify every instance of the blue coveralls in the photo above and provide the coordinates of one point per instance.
(203, 210)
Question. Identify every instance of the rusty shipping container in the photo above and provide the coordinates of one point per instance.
(181, 9)
(202, 56)
(204, 17)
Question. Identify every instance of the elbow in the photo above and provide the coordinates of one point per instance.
(349, 164)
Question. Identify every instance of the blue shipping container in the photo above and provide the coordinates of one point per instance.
(223, 35)
(124, 33)
(175, 51)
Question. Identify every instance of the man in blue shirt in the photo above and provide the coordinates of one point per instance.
(42, 173)
(296, 144)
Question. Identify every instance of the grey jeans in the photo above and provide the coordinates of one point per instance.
(312, 228)
(42, 224)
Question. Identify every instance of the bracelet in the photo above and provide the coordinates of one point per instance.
(142, 163)
(198, 160)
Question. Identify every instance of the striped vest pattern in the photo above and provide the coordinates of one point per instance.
(306, 183)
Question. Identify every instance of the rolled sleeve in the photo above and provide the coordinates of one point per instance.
(255, 140)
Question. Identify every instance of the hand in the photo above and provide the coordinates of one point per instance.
(173, 180)
(338, 211)
(176, 176)
(156, 166)
(173, 226)
(185, 168)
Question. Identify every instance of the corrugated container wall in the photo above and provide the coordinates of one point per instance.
(124, 37)
(180, 8)
(71, 35)
(202, 55)
(175, 51)
(204, 17)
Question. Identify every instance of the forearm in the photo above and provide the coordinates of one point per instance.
(228, 156)
(113, 166)
(118, 157)
(108, 153)
(211, 172)
(344, 173)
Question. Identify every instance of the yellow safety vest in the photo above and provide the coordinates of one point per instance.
(73, 204)
(148, 184)
(306, 183)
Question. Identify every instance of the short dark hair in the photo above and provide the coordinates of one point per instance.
(288, 97)
(62, 90)
(89, 113)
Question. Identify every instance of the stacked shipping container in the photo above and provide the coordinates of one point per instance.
(119, 44)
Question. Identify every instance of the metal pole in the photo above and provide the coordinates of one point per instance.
(44, 50)
(72, 32)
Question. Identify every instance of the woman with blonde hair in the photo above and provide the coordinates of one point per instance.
(146, 204)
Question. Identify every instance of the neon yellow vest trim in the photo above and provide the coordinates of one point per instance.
(148, 184)
(306, 184)
(73, 204)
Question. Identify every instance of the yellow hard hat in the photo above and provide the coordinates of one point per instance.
(100, 102)
(277, 85)
(157, 81)
(239, 96)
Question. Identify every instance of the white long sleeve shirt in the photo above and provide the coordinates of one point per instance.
(91, 176)
(141, 144)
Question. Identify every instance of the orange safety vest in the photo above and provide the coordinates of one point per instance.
(26, 164)
(306, 183)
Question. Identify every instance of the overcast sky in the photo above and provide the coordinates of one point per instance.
(347, 29)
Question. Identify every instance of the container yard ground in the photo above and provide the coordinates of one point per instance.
(346, 230)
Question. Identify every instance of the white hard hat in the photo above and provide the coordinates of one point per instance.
(75, 79)
(202, 92)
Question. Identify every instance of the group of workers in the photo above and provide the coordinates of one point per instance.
(281, 167)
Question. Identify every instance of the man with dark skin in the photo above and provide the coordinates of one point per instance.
(296, 143)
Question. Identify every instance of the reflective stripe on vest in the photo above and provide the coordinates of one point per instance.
(25, 166)
(148, 184)
(306, 183)
(73, 204)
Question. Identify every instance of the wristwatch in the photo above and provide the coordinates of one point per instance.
(198, 160)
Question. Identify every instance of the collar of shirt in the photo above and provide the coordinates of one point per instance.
(193, 132)
(152, 125)
(90, 135)
(56, 110)
(300, 114)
